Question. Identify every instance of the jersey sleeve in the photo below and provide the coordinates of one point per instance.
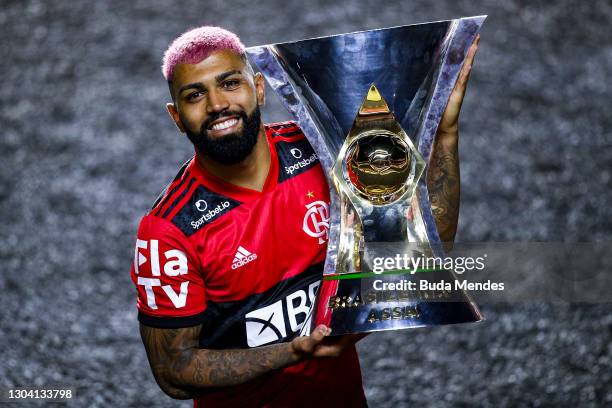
(167, 275)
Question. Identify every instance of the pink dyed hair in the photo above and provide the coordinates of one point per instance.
(195, 45)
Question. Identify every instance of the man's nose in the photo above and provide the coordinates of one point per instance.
(217, 102)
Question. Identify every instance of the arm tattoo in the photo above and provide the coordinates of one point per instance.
(181, 368)
(443, 186)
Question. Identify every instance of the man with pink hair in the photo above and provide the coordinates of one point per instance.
(225, 271)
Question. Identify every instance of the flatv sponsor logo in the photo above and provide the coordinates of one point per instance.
(174, 264)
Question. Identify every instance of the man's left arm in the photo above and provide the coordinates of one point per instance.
(443, 174)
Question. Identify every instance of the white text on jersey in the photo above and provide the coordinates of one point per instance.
(210, 215)
(176, 264)
(242, 257)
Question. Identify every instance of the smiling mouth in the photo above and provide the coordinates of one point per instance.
(224, 124)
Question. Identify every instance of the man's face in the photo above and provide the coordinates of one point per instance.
(217, 106)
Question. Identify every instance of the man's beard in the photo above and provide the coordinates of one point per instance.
(231, 148)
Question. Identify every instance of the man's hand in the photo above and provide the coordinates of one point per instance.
(450, 119)
(443, 172)
(319, 345)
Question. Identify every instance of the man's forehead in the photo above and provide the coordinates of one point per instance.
(215, 64)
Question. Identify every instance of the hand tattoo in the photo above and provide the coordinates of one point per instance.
(443, 186)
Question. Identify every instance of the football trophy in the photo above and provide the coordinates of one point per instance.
(370, 103)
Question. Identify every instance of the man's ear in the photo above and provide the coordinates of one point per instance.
(260, 88)
(175, 116)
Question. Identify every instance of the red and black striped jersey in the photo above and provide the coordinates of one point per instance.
(246, 265)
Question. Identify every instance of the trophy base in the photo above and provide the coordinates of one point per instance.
(354, 303)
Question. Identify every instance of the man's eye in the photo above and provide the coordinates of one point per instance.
(193, 96)
(231, 84)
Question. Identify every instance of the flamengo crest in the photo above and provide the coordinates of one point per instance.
(316, 220)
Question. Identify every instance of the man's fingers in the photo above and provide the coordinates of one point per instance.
(333, 347)
(316, 337)
(328, 351)
(464, 75)
(307, 344)
(469, 59)
(448, 123)
(319, 345)
(472, 50)
(320, 332)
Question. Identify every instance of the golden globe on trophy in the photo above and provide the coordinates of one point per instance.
(370, 103)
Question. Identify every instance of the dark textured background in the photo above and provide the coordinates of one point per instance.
(86, 146)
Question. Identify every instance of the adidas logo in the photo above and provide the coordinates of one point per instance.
(242, 257)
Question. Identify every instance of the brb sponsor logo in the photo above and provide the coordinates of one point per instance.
(175, 264)
(316, 220)
(280, 319)
(201, 206)
(297, 153)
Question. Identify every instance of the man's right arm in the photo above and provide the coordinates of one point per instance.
(167, 275)
(182, 369)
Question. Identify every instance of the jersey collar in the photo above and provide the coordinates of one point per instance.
(239, 193)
